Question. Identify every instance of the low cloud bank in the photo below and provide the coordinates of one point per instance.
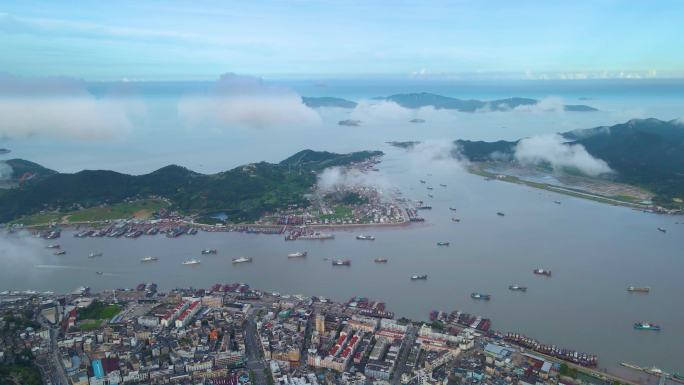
(547, 104)
(5, 171)
(19, 251)
(62, 108)
(245, 101)
(336, 178)
(435, 156)
(552, 149)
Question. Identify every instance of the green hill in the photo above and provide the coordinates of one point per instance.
(643, 152)
(327, 101)
(244, 193)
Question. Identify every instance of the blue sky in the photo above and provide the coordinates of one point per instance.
(201, 39)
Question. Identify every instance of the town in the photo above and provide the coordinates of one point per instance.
(233, 334)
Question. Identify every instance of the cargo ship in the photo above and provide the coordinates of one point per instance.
(637, 289)
(317, 236)
(517, 288)
(662, 229)
(380, 260)
(99, 273)
(442, 243)
(208, 251)
(242, 260)
(192, 261)
(61, 252)
(53, 246)
(424, 207)
(416, 277)
(149, 259)
(365, 237)
(557, 202)
(340, 262)
(422, 181)
(298, 254)
(452, 208)
(542, 272)
(53, 235)
(455, 220)
(646, 326)
(500, 214)
(93, 255)
(631, 366)
(480, 296)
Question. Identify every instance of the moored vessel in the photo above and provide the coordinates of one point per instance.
(646, 326)
(517, 288)
(365, 237)
(638, 289)
(542, 272)
(480, 296)
(242, 260)
(317, 236)
(297, 254)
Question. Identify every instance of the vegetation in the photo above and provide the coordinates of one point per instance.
(87, 326)
(648, 153)
(243, 193)
(567, 371)
(20, 374)
(142, 208)
(98, 311)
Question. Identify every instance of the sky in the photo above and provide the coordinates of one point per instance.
(182, 40)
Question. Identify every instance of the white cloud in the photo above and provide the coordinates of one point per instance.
(335, 178)
(245, 101)
(5, 171)
(19, 251)
(62, 108)
(379, 111)
(552, 149)
(434, 155)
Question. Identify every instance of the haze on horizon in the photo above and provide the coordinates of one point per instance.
(174, 40)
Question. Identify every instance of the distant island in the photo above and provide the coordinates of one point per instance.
(425, 99)
(648, 153)
(327, 101)
(349, 122)
(243, 193)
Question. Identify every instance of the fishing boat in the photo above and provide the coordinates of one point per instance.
(517, 288)
(443, 243)
(93, 255)
(192, 261)
(208, 251)
(298, 254)
(149, 259)
(480, 296)
(242, 260)
(417, 277)
(380, 260)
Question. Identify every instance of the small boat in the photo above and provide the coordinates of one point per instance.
(422, 181)
(149, 259)
(365, 237)
(192, 261)
(430, 196)
(557, 202)
(242, 260)
(455, 220)
(430, 188)
(93, 255)
(480, 296)
(208, 251)
(99, 273)
(517, 288)
(452, 208)
(646, 326)
(500, 214)
(442, 243)
(542, 272)
(340, 262)
(636, 289)
(380, 260)
(53, 246)
(60, 252)
(298, 254)
(416, 277)
(662, 230)
(442, 184)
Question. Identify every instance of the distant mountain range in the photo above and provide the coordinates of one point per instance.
(243, 193)
(425, 99)
(326, 101)
(644, 152)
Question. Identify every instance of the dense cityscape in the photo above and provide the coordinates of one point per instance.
(233, 334)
